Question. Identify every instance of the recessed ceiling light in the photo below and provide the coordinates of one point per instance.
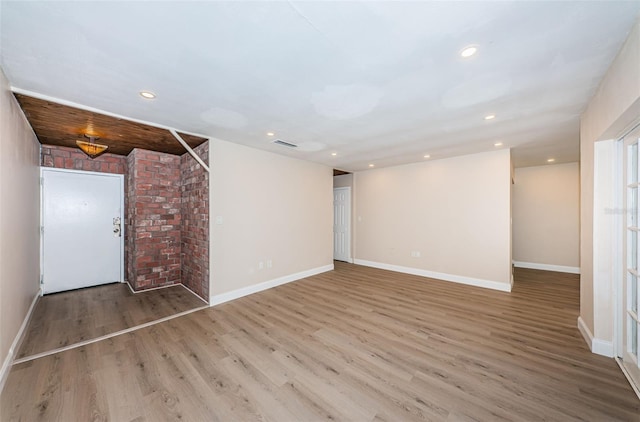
(148, 95)
(551, 160)
(372, 165)
(270, 133)
(334, 153)
(427, 156)
(497, 144)
(469, 51)
(490, 117)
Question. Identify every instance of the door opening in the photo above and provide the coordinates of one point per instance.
(82, 229)
(342, 224)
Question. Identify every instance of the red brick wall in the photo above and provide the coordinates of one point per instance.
(154, 210)
(195, 222)
(74, 159)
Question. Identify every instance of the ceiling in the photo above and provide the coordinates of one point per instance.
(58, 124)
(371, 82)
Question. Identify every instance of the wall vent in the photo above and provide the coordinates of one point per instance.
(284, 143)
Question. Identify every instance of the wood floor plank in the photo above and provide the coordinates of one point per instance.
(66, 318)
(354, 344)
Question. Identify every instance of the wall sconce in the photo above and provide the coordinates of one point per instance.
(91, 148)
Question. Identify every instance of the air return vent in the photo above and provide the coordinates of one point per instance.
(284, 143)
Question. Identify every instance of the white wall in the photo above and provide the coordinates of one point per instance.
(19, 222)
(546, 217)
(272, 208)
(614, 107)
(456, 212)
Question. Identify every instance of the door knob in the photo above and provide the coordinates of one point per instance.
(117, 227)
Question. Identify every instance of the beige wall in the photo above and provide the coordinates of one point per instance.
(546, 215)
(455, 212)
(19, 220)
(343, 181)
(614, 107)
(273, 208)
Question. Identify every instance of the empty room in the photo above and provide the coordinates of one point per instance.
(319, 210)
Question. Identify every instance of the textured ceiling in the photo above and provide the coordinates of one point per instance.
(373, 82)
(58, 124)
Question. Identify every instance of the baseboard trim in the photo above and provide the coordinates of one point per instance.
(245, 291)
(477, 282)
(602, 347)
(586, 332)
(596, 345)
(17, 342)
(135, 292)
(547, 267)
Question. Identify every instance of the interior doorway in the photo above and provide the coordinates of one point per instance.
(81, 234)
(342, 224)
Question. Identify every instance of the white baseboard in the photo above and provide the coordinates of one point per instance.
(245, 291)
(596, 345)
(547, 267)
(478, 282)
(164, 287)
(602, 347)
(17, 341)
(135, 292)
(586, 332)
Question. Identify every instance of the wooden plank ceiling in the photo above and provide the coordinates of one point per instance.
(57, 124)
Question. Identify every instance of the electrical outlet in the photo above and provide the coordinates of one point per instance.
(260, 265)
(415, 254)
(269, 263)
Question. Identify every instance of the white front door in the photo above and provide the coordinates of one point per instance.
(82, 242)
(630, 290)
(342, 224)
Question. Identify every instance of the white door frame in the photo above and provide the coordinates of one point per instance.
(619, 226)
(43, 170)
(348, 213)
(620, 248)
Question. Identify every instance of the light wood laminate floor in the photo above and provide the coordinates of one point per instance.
(65, 318)
(354, 344)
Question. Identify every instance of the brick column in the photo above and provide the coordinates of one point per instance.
(195, 222)
(154, 219)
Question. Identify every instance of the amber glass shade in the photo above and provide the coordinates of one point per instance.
(91, 149)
